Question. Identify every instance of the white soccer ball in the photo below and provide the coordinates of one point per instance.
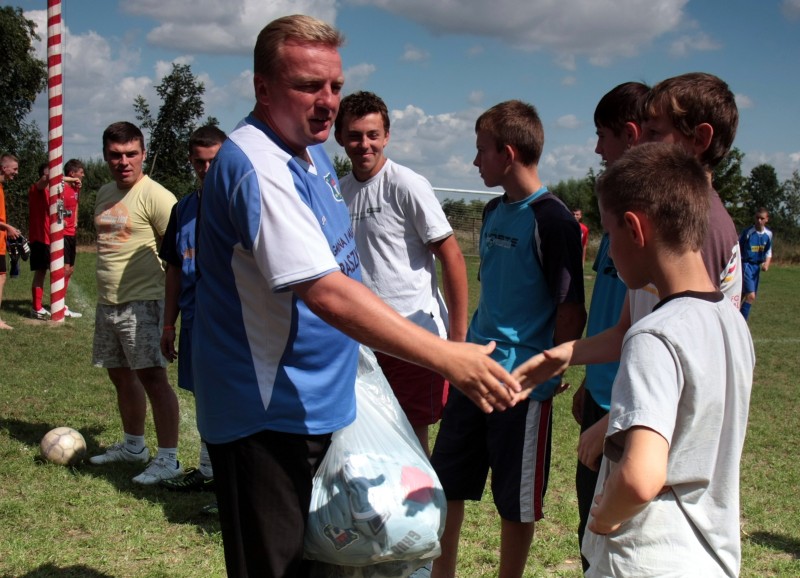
(64, 446)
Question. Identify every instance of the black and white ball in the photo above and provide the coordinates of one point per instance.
(64, 446)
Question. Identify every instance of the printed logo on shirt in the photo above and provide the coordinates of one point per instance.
(502, 241)
(334, 187)
(111, 224)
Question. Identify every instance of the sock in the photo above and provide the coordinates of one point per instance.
(134, 444)
(170, 454)
(205, 461)
(37, 298)
(746, 309)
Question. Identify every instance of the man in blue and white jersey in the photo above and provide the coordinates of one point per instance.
(755, 245)
(279, 306)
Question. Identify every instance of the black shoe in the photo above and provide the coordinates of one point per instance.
(192, 481)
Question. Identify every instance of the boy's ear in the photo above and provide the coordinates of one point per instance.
(703, 133)
(632, 133)
(635, 225)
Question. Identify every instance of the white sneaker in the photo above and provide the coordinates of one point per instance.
(157, 470)
(119, 453)
(42, 313)
(73, 314)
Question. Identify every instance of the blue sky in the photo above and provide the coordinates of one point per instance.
(439, 63)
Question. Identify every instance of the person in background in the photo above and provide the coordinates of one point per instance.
(9, 167)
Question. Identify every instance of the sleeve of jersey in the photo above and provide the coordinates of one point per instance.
(646, 391)
(282, 232)
(561, 252)
(169, 246)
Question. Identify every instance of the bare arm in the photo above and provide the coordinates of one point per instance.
(601, 348)
(356, 311)
(454, 278)
(634, 482)
(172, 290)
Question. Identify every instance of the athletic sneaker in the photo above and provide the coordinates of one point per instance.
(158, 470)
(210, 510)
(192, 481)
(119, 453)
(40, 314)
(70, 313)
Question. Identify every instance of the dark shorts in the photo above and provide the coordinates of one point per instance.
(70, 250)
(514, 444)
(2, 263)
(421, 392)
(751, 273)
(263, 485)
(40, 256)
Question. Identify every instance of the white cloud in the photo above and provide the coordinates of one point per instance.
(476, 97)
(569, 81)
(791, 8)
(210, 26)
(598, 29)
(414, 54)
(356, 76)
(696, 42)
(784, 163)
(744, 101)
(568, 121)
(567, 162)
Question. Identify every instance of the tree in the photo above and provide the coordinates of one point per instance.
(342, 166)
(579, 194)
(22, 78)
(763, 189)
(729, 182)
(181, 107)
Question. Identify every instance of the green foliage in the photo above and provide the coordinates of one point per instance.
(763, 189)
(729, 182)
(168, 150)
(579, 194)
(22, 76)
(342, 166)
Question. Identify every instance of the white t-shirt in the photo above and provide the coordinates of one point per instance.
(395, 216)
(686, 372)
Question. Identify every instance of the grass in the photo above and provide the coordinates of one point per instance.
(92, 521)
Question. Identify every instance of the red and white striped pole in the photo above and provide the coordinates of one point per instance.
(55, 157)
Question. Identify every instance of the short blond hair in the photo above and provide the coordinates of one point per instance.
(298, 28)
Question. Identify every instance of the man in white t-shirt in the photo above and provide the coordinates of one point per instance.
(400, 231)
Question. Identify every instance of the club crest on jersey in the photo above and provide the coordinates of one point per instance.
(339, 537)
(334, 186)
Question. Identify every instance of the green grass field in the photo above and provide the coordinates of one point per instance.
(92, 521)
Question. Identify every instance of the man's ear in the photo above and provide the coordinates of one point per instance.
(635, 226)
(703, 133)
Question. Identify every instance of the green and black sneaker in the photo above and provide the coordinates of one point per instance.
(192, 481)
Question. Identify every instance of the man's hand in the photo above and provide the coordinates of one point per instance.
(479, 377)
(12, 231)
(168, 344)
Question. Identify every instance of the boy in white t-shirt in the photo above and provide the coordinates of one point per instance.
(400, 231)
(667, 500)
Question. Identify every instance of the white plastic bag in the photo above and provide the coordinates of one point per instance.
(377, 507)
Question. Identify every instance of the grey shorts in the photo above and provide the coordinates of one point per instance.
(128, 335)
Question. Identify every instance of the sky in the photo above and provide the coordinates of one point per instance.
(439, 64)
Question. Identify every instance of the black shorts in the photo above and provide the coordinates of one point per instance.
(514, 444)
(70, 249)
(40, 256)
(2, 264)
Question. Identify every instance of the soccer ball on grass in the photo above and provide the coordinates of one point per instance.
(64, 446)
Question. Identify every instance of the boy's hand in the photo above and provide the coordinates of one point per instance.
(590, 445)
(168, 344)
(597, 525)
(542, 367)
